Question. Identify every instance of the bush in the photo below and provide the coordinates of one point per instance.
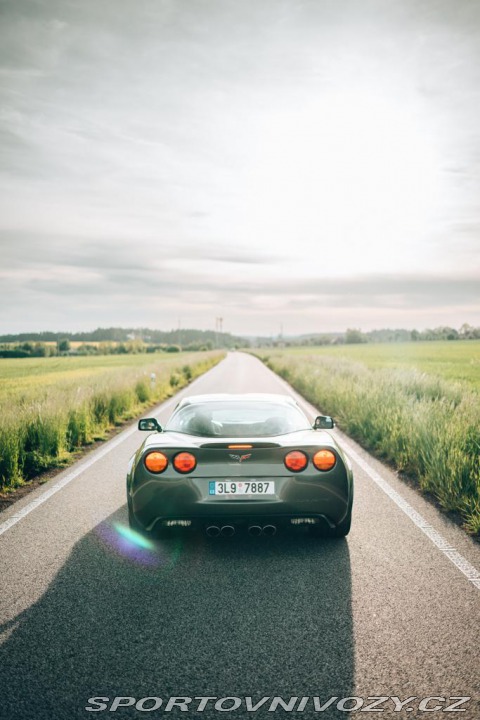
(174, 380)
(14, 353)
(142, 391)
(100, 409)
(10, 448)
(44, 442)
(121, 401)
(86, 349)
(78, 428)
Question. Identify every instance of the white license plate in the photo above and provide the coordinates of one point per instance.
(243, 487)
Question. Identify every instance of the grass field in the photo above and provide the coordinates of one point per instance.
(51, 407)
(456, 361)
(416, 405)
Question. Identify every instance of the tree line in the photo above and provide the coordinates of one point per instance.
(114, 341)
(179, 336)
(355, 336)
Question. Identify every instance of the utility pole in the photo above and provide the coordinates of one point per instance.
(218, 329)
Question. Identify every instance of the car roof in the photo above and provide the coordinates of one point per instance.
(240, 397)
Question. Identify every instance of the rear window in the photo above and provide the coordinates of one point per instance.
(237, 419)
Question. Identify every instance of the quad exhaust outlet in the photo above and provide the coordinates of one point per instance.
(215, 531)
(256, 530)
(229, 530)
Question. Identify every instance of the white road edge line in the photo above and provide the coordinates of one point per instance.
(79, 469)
(470, 572)
(84, 465)
(442, 544)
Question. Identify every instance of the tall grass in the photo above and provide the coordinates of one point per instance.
(453, 361)
(42, 425)
(425, 426)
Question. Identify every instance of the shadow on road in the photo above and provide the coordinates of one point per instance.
(189, 617)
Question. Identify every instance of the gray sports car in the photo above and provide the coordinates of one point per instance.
(250, 462)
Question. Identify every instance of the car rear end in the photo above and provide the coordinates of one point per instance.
(298, 479)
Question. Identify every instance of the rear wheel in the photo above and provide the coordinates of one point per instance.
(343, 528)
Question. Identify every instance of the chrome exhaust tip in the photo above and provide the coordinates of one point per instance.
(255, 530)
(213, 531)
(227, 530)
(269, 530)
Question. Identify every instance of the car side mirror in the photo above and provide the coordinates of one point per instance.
(149, 424)
(323, 422)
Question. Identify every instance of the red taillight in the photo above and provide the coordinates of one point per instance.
(184, 462)
(156, 462)
(324, 460)
(296, 461)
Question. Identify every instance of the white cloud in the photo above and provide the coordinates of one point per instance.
(238, 155)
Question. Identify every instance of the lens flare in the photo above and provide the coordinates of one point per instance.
(137, 548)
(134, 537)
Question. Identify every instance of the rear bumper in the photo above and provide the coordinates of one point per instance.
(326, 498)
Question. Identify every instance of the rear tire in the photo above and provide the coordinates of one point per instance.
(342, 528)
(340, 531)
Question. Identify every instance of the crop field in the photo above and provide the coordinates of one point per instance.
(51, 407)
(416, 405)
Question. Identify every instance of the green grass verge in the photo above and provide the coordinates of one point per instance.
(51, 407)
(426, 426)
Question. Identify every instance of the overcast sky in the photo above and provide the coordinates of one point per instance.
(311, 164)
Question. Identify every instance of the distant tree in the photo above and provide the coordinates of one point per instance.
(136, 346)
(106, 348)
(467, 332)
(86, 349)
(40, 350)
(354, 336)
(63, 346)
(317, 340)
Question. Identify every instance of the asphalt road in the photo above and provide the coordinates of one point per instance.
(385, 612)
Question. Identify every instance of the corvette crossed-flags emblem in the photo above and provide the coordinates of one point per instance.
(240, 458)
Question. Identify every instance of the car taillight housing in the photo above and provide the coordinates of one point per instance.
(156, 462)
(296, 461)
(324, 460)
(184, 462)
